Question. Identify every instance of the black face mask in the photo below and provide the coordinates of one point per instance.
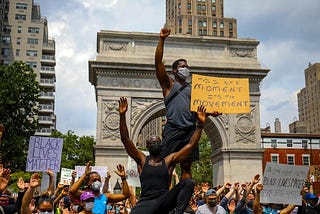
(155, 148)
(250, 204)
(212, 202)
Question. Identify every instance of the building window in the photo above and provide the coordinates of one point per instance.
(214, 33)
(213, 1)
(7, 28)
(189, 30)
(20, 17)
(180, 30)
(304, 144)
(32, 53)
(222, 33)
(221, 25)
(274, 143)
(33, 30)
(214, 24)
(6, 40)
(306, 160)
(274, 158)
(230, 26)
(17, 52)
(19, 29)
(189, 22)
(213, 8)
(204, 24)
(189, 6)
(32, 41)
(32, 64)
(21, 6)
(5, 52)
(180, 22)
(290, 159)
(289, 143)
(18, 40)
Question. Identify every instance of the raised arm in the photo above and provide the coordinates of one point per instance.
(50, 190)
(4, 178)
(74, 189)
(131, 149)
(105, 187)
(34, 182)
(256, 204)
(178, 157)
(125, 188)
(162, 76)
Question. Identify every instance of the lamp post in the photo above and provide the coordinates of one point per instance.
(117, 188)
(1, 133)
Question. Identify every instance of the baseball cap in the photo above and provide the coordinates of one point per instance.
(310, 196)
(86, 195)
(210, 192)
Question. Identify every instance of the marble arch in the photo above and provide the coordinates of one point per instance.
(124, 66)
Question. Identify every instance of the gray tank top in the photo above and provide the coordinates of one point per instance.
(178, 109)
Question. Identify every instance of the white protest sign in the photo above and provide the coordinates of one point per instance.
(102, 170)
(66, 176)
(45, 182)
(44, 153)
(282, 183)
(132, 172)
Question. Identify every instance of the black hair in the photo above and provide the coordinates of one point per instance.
(44, 198)
(176, 63)
(88, 177)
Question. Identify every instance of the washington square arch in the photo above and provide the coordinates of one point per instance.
(125, 67)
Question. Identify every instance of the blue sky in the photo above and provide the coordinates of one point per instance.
(288, 32)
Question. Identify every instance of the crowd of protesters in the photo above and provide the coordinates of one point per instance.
(86, 195)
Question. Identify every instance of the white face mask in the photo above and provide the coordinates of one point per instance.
(183, 73)
(89, 206)
(46, 212)
(95, 186)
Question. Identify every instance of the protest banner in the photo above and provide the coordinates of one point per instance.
(44, 153)
(66, 176)
(45, 182)
(225, 95)
(133, 178)
(133, 174)
(282, 183)
(102, 170)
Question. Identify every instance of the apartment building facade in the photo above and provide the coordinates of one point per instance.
(309, 99)
(293, 149)
(24, 37)
(199, 18)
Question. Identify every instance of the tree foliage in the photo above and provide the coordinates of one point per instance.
(19, 93)
(202, 169)
(76, 151)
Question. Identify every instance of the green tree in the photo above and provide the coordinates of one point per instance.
(202, 169)
(76, 151)
(19, 94)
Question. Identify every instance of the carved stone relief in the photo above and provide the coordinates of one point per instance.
(128, 82)
(115, 46)
(241, 52)
(140, 105)
(110, 123)
(245, 128)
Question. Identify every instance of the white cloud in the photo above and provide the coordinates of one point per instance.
(94, 5)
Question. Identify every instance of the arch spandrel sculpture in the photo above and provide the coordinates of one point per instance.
(124, 66)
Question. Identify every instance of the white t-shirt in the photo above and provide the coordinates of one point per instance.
(204, 209)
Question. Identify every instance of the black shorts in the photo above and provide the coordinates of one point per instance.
(174, 139)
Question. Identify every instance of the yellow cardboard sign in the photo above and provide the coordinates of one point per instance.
(225, 95)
